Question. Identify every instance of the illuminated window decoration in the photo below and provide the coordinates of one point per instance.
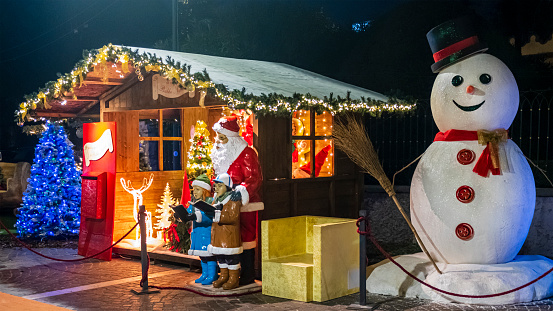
(301, 157)
(138, 200)
(304, 140)
(179, 74)
(323, 124)
(52, 201)
(245, 121)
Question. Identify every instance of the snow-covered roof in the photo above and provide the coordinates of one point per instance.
(264, 77)
(270, 88)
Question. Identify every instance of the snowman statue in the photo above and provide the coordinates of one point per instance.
(472, 193)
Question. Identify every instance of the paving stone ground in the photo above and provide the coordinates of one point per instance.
(27, 275)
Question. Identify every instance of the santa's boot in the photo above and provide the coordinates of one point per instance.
(223, 278)
(204, 273)
(247, 259)
(233, 281)
(211, 274)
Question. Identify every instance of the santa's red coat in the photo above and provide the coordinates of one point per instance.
(245, 171)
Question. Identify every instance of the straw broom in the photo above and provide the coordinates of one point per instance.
(350, 136)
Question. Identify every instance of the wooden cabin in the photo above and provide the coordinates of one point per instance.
(154, 118)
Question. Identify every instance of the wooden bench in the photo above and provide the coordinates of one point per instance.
(16, 175)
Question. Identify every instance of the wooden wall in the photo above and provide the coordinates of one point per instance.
(128, 158)
(137, 95)
(124, 201)
(127, 139)
(123, 105)
(337, 196)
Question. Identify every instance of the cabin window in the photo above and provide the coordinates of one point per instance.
(160, 142)
(312, 139)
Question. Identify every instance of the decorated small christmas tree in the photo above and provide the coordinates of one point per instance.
(164, 211)
(177, 236)
(52, 202)
(175, 233)
(199, 160)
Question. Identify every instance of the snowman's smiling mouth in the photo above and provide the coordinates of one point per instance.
(469, 108)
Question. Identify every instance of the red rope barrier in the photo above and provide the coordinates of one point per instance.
(367, 232)
(117, 242)
(65, 260)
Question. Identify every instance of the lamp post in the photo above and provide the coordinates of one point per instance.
(175, 25)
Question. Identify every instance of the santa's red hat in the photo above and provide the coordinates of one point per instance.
(228, 126)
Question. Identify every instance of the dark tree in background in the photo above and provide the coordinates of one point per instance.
(290, 32)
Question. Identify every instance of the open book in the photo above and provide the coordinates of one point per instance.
(203, 206)
(180, 212)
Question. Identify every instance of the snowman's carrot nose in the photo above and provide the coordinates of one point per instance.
(470, 89)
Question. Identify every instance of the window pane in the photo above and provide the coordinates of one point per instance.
(301, 123)
(301, 159)
(171, 123)
(323, 124)
(172, 155)
(148, 124)
(324, 158)
(148, 156)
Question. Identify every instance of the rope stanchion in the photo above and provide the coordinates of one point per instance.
(59, 259)
(367, 233)
(144, 257)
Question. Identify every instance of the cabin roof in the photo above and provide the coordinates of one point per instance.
(260, 86)
(259, 77)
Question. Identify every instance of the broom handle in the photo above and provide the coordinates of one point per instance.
(415, 232)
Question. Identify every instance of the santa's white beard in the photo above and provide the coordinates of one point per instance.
(223, 155)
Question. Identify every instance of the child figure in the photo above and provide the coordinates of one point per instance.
(200, 237)
(226, 243)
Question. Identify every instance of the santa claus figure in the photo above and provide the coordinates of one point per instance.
(232, 155)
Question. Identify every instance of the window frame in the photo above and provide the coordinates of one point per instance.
(312, 138)
(160, 138)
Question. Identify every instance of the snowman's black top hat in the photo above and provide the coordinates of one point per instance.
(453, 41)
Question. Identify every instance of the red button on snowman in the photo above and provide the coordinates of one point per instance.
(472, 193)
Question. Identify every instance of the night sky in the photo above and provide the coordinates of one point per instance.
(40, 38)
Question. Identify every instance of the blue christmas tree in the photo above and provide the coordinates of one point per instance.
(52, 202)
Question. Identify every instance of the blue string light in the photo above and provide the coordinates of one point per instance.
(52, 202)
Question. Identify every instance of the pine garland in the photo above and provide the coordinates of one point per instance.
(265, 104)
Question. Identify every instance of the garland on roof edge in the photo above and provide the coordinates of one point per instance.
(264, 104)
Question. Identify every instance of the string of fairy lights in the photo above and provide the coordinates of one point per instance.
(265, 104)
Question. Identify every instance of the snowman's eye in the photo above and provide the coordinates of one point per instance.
(457, 80)
(485, 78)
